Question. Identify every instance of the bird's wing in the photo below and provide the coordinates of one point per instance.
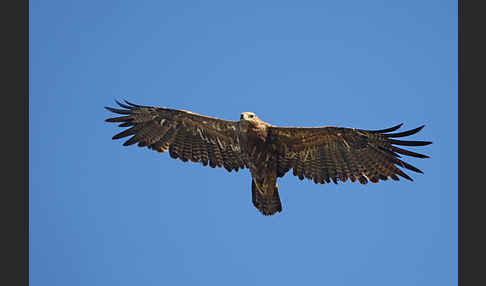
(325, 154)
(186, 135)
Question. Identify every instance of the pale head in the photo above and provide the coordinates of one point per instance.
(248, 116)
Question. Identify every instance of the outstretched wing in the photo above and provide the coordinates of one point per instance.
(323, 154)
(187, 135)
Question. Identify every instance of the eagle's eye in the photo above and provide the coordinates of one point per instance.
(251, 115)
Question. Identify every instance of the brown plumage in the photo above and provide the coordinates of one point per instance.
(320, 154)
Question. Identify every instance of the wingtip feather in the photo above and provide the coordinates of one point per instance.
(123, 105)
(119, 111)
(132, 104)
(391, 129)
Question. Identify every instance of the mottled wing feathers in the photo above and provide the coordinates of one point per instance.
(325, 154)
(186, 135)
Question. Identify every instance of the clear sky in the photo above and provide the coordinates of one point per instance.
(104, 214)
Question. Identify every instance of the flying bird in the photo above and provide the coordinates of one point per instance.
(320, 154)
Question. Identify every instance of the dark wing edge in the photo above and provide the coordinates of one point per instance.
(325, 154)
(186, 135)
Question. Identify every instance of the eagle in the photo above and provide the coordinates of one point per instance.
(321, 154)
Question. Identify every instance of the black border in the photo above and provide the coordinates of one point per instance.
(471, 77)
(15, 143)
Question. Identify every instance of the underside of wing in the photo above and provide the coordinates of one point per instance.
(186, 135)
(325, 154)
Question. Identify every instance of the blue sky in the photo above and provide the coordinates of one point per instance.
(104, 214)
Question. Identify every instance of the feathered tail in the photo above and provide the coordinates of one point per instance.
(267, 201)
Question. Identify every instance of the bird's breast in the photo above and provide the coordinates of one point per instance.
(258, 154)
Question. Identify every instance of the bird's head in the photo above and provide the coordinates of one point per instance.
(248, 116)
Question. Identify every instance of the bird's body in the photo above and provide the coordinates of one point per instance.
(261, 159)
(321, 154)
